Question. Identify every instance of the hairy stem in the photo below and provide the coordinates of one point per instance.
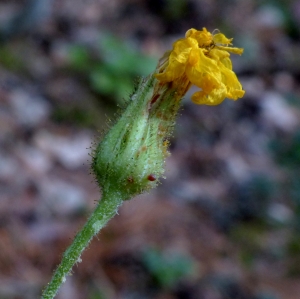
(105, 210)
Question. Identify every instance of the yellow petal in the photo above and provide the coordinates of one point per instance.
(182, 49)
(204, 73)
(227, 62)
(233, 50)
(203, 37)
(215, 97)
(178, 59)
(194, 57)
(220, 38)
(190, 32)
(236, 94)
(173, 71)
(218, 54)
(230, 80)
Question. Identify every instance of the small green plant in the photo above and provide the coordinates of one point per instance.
(112, 67)
(168, 269)
(287, 152)
(10, 60)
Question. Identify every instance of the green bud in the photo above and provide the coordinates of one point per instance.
(131, 157)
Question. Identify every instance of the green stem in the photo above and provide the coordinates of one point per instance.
(106, 209)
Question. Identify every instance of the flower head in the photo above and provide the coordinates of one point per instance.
(202, 59)
(131, 157)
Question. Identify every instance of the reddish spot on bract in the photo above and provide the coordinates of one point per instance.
(130, 179)
(154, 99)
(151, 177)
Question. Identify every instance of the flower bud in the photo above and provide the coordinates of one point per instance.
(130, 159)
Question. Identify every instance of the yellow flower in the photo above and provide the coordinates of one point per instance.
(202, 59)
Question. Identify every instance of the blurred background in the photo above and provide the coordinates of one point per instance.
(223, 225)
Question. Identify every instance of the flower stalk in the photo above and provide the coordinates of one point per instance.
(105, 210)
(131, 157)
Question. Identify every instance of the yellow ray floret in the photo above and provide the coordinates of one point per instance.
(203, 59)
